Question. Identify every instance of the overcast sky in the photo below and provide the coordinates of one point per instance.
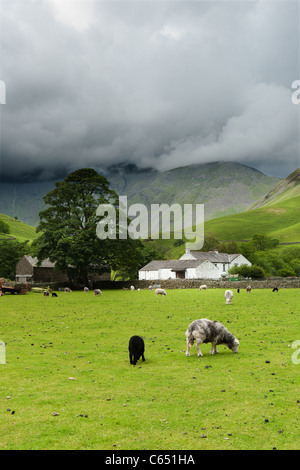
(156, 83)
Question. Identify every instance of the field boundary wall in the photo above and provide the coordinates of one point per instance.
(269, 283)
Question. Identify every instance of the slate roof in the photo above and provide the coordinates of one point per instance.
(46, 263)
(174, 264)
(182, 264)
(213, 256)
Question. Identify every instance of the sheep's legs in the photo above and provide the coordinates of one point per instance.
(188, 346)
(132, 359)
(199, 353)
(213, 348)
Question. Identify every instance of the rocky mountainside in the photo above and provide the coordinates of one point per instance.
(224, 188)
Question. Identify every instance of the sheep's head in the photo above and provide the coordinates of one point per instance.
(235, 346)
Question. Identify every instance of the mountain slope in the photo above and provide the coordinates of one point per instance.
(24, 200)
(18, 230)
(285, 189)
(224, 188)
(280, 220)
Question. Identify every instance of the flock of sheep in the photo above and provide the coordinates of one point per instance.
(201, 331)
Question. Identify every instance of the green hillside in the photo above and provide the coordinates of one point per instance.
(18, 230)
(288, 188)
(281, 220)
(277, 214)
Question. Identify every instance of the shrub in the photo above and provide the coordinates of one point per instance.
(285, 272)
(4, 227)
(254, 271)
(257, 272)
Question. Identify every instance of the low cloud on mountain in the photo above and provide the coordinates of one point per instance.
(157, 84)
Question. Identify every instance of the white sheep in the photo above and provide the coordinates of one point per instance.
(228, 296)
(248, 289)
(203, 287)
(97, 292)
(132, 288)
(86, 289)
(160, 292)
(67, 289)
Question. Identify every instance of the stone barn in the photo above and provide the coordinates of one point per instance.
(27, 270)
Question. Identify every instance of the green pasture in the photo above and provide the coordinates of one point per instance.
(67, 382)
(279, 220)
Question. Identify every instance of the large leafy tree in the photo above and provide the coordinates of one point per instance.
(68, 226)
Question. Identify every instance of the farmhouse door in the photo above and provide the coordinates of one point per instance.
(180, 274)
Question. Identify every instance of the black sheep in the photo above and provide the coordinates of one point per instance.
(136, 349)
(275, 289)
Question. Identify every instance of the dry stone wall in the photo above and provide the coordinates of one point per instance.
(281, 283)
(269, 283)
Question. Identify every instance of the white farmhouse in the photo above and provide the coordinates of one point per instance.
(192, 265)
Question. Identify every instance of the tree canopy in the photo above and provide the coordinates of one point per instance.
(11, 251)
(68, 227)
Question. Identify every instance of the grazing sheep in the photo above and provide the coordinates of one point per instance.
(54, 294)
(248, 289)
(132, 288)
(228, 296)
(97, 292)
(151, 287)
(67, 289)
(275, 289)
(203, 287)
(85, 289)
(160, 292)
(238, 291)
(136, 349)
(45, 293)
(207, 331)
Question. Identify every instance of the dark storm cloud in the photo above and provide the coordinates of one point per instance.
(160, 84)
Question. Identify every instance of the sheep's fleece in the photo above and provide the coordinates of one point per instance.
(207, 331)
(136, 349)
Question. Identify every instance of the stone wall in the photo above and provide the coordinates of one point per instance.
(269, 283)
(213, 284)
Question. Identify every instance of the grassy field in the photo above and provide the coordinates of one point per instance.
(67, 382)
